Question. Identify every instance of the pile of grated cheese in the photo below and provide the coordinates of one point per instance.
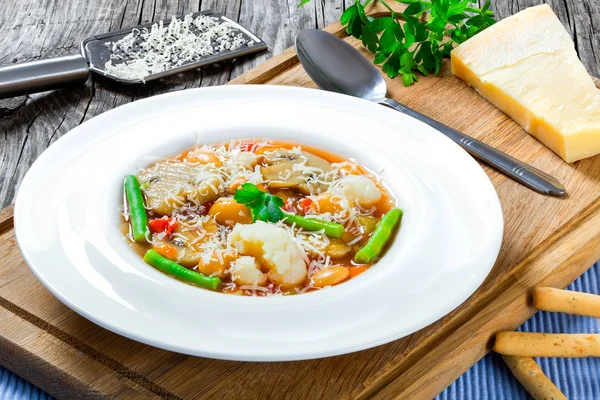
(146, 52)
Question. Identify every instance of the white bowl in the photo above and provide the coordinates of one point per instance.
(66, 223)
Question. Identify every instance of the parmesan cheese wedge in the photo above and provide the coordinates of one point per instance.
(526, 65)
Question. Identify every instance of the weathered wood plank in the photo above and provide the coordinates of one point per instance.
(34, 29)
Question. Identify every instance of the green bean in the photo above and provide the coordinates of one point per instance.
(180, 272)
(381, 235)
(137, 210)
(312, 224)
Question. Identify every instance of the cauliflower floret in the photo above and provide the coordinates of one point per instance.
(246, 271)
(358, 189)
(274, 248)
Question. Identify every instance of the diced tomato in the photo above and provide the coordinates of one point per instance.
(158, 225)
(167, 225)
(305, 204)
(171, 227)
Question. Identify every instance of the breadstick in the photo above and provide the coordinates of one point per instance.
(567, 301)
(531, 376)
(530, 344)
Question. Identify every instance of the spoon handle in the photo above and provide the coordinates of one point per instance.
(517, 170)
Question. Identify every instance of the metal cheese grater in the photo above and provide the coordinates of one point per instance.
(96, 51)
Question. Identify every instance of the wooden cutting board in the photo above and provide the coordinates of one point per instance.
(547, 241)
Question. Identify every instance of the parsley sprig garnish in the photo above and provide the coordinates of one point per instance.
(263, 206)
(267, 207)
(429, 32)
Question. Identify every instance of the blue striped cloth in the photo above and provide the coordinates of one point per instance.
(13, 387)
(577, 378)
(489, 379)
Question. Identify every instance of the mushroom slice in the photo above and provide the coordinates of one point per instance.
(315, 175)
(317, 162)
(282, 175)
(290, 169)
(168, 185)
(279, 156)
(311, 186)
(165, 186)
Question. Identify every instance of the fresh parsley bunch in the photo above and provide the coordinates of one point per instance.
(429, 32)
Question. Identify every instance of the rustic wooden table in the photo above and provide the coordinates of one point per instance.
(36, 29)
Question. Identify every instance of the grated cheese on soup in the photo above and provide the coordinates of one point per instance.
(187, 189)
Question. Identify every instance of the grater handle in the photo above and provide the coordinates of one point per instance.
(43, 75)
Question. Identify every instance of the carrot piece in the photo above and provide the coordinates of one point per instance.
(355, 271)
(305, 204)
(167, 250)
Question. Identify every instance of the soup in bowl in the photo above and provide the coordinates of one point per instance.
(259, 217)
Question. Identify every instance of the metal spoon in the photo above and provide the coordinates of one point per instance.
(338, 67)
